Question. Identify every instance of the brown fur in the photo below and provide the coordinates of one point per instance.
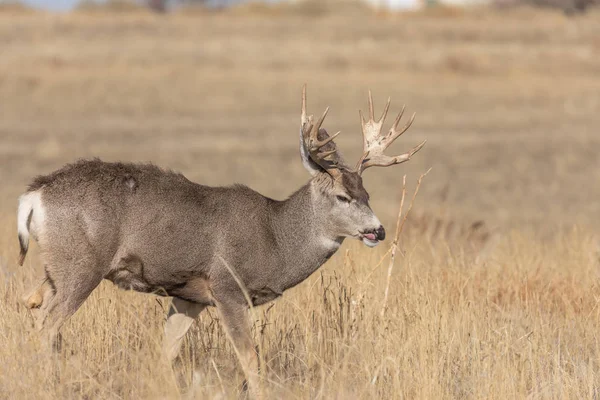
(353, 184)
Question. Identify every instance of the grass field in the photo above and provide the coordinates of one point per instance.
(495, 291)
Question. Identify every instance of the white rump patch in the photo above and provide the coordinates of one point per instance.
(30, 204)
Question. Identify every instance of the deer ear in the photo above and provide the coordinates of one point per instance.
(312, 167)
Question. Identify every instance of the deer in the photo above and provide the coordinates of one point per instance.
(153, 231)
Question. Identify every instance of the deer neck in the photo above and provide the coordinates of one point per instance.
(300, 230)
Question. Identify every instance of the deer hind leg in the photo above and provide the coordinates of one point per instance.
(182, 314)
(234, 318)
(68, 283)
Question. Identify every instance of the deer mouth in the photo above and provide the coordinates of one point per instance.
(370, 239)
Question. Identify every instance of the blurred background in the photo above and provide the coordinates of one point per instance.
(169, 5)
(493, 294)
(507, 94)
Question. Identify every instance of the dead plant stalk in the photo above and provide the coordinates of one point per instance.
(400, 221)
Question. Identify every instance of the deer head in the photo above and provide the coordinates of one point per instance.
(339, 196)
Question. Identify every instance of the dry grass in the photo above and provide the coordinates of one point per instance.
(508, 103)
(524, 323)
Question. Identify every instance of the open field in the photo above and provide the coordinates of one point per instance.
(509, 104)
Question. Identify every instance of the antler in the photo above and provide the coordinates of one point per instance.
(315, 146)
(374, 143)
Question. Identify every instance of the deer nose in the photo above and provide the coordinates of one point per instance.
(380, 232)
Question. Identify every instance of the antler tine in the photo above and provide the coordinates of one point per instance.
(303, 117)
(374, 143)
(417, 148)
(385, 110)
(326, 154)
(406, 156)
(371, 110)
(371, 129)
(316, 144)
(381, 160)
(312, 130)
(394, 133)
(310, 137)
(399, 117)
(317, 126)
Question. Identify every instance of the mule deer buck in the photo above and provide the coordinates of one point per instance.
(154, 231)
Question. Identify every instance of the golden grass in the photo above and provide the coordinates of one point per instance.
(523, 323)
(508, 102)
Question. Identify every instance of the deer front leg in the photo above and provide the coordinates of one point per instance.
(234, 317)
(182, 314)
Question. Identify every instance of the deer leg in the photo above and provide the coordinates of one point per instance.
(68, 285)
(182, 314)
(234, 318)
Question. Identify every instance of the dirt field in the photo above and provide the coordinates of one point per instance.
(509, 103)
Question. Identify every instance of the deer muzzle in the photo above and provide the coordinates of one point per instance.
(380, 233)
(373, 237)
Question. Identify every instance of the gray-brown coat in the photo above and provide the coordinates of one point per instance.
(154, 231)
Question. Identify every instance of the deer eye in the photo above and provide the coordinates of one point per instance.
(343, 199)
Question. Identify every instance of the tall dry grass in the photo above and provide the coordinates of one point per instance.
(524, 323)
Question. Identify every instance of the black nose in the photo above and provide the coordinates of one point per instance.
(380, 232)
